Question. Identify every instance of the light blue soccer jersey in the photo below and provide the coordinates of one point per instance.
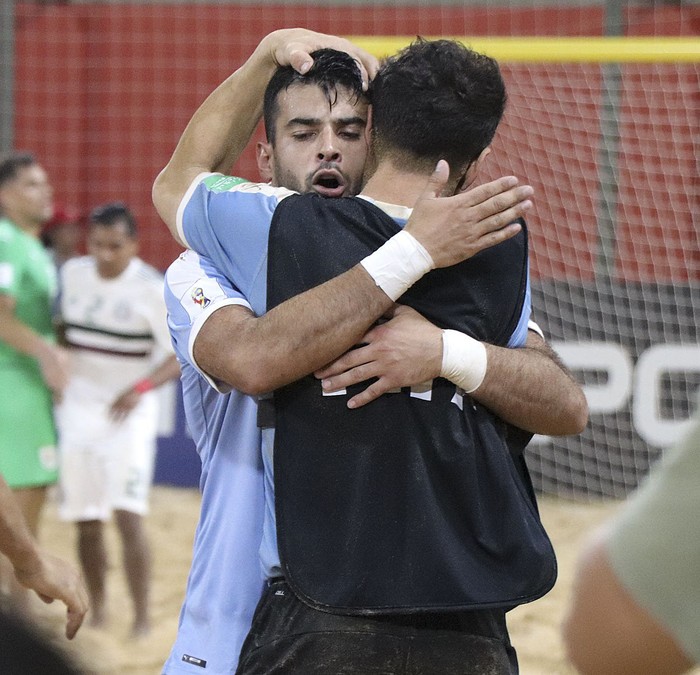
(227, 221)
(225, 579)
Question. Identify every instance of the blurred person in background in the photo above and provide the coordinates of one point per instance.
(33, 370)
(114, 323)
(24, 648)
(635, 606)
(62, 235)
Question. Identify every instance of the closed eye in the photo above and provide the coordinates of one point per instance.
(303, 135)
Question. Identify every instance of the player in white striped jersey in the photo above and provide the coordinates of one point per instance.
(114, 322)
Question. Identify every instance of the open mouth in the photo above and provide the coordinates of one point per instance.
(328, 183)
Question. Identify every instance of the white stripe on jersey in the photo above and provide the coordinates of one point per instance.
(199, 293)
(117, 326)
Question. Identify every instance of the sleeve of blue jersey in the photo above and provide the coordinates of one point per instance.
(519, 336)
(194, 290)
(231, 228)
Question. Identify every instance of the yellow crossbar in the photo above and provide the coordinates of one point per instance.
(558, 49)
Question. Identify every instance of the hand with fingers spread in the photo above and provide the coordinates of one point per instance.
(404, 351)
(455, 228)
(293, 47)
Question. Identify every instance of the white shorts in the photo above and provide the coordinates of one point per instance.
(105, 465)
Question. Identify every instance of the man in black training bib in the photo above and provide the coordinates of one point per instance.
(415, 508)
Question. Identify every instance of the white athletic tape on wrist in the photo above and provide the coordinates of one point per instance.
(398, 264)
(463, 360)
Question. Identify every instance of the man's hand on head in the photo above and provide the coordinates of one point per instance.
(293, 47)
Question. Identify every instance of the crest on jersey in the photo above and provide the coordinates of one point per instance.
(202, 295)
(199, 298)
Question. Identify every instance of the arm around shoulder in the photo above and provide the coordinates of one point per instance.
(259, 354)
(531, 388)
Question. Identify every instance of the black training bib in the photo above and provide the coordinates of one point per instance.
(419, 501)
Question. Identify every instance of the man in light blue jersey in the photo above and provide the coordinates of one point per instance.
(225, 581)
(203, 294)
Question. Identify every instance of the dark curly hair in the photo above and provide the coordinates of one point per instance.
(331, 69)
(436, 100)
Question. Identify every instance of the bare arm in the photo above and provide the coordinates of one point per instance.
(528, 387)
(21, 337)
(531, 389)
(307, 331)
(293, 339)
(49, 576)
(607, 633)
(221, 128)
(166, 370)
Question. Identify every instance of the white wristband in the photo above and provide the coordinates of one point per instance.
(463, 360)
(398, 264)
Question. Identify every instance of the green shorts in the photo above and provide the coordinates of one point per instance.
(27, 430)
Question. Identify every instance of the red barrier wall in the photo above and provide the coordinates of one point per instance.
(103, 92)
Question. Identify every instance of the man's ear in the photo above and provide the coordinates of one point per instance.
(469, 175)
(263, 156)
(368, 126)
(478, 165)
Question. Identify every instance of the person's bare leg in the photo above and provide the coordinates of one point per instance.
(92, 552)
(31, 502)
(136, 552)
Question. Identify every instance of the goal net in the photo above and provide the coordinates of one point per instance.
(101, 91)
(612, 150)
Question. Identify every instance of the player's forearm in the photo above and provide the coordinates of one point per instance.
(216, 135)
(167, 370)
(21, 337)
(295, 338)
(16, 541)
(532, 390)
(222, 127)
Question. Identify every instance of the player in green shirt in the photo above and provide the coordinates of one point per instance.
(32, 368)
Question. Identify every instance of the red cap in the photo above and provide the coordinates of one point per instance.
(61, 216)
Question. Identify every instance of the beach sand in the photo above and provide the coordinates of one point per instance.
(171, 523)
